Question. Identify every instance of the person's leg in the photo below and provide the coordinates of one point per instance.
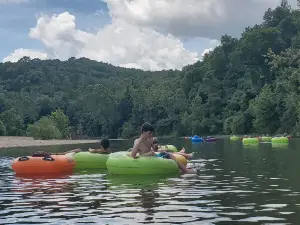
(182, 150)
(186, 155)
(180, 165)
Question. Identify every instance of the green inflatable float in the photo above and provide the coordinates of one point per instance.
(250, 141)
(123, 163)
(234, 138)
(280, 140)
(87, 160)
(170, 148)
(266, 139)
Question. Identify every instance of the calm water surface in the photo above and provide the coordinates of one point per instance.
(234, 185)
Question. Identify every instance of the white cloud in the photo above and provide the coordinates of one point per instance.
(206, 51)
(144, 33)
(119, 43)
(212, 44)
(21, 52)
(188, 18)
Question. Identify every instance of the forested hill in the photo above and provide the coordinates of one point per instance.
(98, 98)
(245, 85)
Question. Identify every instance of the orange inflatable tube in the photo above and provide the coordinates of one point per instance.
(52, 164)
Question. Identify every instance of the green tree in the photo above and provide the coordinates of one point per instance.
(263, 108)
(2, 129)
(128, 130)
(44, 129)
(13, 122)
(61, 121)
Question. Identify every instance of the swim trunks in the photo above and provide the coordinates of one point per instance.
(164, 155)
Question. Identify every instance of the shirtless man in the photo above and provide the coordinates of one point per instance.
(144, 147)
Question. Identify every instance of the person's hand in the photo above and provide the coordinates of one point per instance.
(91, 150)
(152, 153)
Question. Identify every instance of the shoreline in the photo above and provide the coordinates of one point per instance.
(14, 141)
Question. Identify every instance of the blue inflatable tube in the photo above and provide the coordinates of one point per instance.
(197, 139)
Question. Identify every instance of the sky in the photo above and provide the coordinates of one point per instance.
(144, 34)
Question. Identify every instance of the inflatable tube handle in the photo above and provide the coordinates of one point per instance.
(23, 158)
(48, 158)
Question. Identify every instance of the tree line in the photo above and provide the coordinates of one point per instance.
(245, 85)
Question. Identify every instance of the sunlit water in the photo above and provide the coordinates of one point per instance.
(234, 185)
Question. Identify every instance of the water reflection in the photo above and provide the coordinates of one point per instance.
(89, 171)
(282, 146)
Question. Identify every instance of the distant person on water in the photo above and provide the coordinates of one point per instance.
(143, 146)
(248, 136)
(105, 144)
(105, 149)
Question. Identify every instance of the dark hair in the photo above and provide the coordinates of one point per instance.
(147, 127)
(155, 141)
(105, 143)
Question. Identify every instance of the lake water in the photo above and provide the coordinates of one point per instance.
(234, 185)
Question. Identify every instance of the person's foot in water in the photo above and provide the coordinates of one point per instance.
(189, 171)
(186, 155)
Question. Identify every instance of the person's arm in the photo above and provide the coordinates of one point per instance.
(159, 149)
(135, 148)
(162, 148)
(151, 153)
(73, 151)
(152, 147)
(96, 150)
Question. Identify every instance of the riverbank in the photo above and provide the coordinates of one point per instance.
(9, 142)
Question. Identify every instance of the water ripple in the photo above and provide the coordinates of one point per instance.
(216, 195)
